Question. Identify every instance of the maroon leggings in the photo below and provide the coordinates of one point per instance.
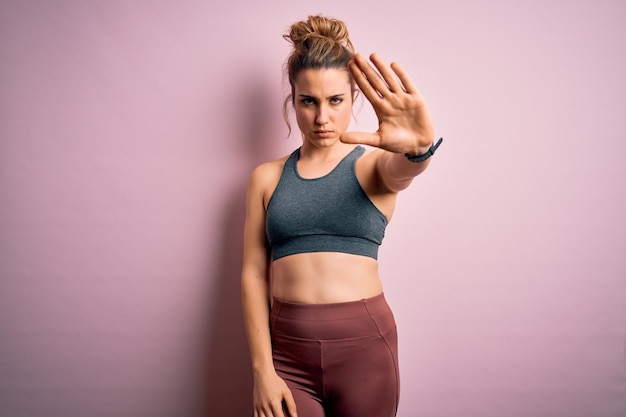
(339, 360)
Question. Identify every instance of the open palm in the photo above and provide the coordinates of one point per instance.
(405, 123)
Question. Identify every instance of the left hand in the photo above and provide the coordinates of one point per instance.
(404, 121)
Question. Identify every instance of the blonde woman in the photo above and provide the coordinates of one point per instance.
(322, 338)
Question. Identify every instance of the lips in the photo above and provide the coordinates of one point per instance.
(323, 133)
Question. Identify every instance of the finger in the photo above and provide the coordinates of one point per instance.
(277, 409)
(363, 138)
(388, 75)
(372, 79)
(290, 404)
(405, 79)
(364, 85)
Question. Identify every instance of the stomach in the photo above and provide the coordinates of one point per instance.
(325, 277)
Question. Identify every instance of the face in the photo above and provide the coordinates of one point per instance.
(323, 104)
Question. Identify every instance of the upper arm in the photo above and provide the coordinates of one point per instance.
(255, 249)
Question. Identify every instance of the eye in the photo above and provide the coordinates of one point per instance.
(336, 100)
(307, 101)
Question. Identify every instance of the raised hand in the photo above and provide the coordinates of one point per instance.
(404, 121)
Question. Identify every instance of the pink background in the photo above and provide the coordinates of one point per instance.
(128, 130)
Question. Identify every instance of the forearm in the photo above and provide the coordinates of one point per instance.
(256, 308)
(397, 172)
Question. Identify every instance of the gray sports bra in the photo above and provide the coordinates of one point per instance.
(326, 214)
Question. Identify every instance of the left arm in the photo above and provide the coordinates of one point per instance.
(405, 123)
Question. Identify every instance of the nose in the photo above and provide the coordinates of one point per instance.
(321, 118)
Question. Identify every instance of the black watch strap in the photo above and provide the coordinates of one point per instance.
(424, 156)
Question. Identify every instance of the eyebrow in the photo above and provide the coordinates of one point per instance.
(313, 97)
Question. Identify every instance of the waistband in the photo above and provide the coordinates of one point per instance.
(331, 321)
(330, 311)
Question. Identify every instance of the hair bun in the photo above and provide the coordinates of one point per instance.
(333, 30)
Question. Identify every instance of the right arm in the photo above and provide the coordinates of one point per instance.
(269, 389)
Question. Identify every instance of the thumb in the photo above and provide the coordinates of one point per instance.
(365, 138)
(290, 404)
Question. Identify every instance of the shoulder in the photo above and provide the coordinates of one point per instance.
(367, 164)
(265, 177)
(368, 172)
(268, 171)
(370, 155)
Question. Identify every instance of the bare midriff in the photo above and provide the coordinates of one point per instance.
(325, 277)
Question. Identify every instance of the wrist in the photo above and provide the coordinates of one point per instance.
(260, 369)
(422, 154)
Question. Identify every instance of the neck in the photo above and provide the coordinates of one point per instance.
(324, 153)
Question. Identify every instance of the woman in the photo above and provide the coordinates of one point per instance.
(322, 338)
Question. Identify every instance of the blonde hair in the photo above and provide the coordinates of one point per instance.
(318, 42)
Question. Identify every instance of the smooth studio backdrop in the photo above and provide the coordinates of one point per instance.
(128, 130)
